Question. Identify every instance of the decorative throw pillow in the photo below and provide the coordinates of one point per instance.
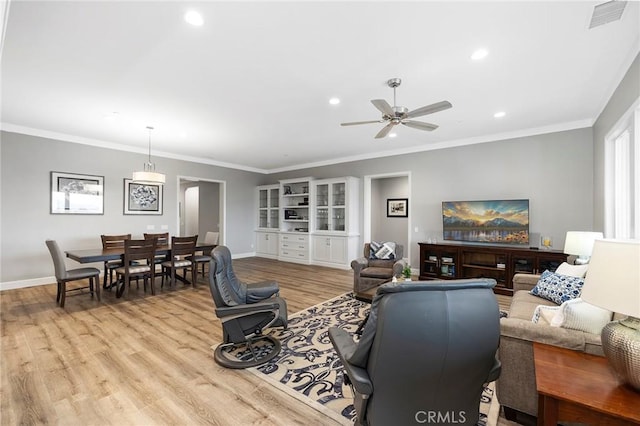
(384, 251)
(557, 288)
(577, 314)
(544, 314)
(572, 270)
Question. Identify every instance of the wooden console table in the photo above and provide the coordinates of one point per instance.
(446, 261)
(577, 387)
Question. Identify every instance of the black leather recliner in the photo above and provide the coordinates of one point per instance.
(245, 311)
(425, 352)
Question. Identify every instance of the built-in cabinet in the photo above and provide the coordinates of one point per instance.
(336, 238)
(451, 261)
(268, 220)
(317, 221)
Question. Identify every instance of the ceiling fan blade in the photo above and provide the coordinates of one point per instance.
(429, 109)
(385, 130)
(419, 125)
(354, 123)
(383, 106)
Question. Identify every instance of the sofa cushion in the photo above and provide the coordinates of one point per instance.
(384, 251)
(544, 314)
(576, 314)
(374, 272)
(558, 288)
(572, 270)
(523, 304)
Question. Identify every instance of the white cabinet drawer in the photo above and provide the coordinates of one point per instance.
(293, 245)
(292, 238)
(294, 254)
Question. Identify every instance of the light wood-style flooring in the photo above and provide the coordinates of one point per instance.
(146, 360)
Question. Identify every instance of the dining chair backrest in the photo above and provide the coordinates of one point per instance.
(58, 259)
(211, 237)
(161, 238)
(137, 250)
(114, 241)
(183, 246)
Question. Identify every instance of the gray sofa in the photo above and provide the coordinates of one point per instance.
(516, 388)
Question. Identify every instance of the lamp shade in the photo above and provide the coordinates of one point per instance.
(613, 277)
(149, 178)
(580, 243)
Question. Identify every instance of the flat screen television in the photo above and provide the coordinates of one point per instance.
(491, 221)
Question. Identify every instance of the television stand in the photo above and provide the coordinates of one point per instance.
(446, 261)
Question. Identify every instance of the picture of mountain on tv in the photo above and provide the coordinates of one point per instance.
(494, 221)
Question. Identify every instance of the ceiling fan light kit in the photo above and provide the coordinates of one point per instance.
(401, 115)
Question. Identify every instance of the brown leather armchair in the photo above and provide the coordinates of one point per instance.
(369, 274)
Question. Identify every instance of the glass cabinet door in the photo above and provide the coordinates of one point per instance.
(274, 219)
(322, 219)
(263, 195)
(338, 194)
(263, 219)
(322, 195)
(338, 218)
(274, 200)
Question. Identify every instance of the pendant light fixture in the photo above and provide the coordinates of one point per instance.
(149, 176)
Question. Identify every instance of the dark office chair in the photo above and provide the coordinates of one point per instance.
(245, 311)
(63, 276)
(427, 347)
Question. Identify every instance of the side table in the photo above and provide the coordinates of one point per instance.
(577, 387)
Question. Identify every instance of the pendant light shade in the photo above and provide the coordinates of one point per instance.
(149, 176)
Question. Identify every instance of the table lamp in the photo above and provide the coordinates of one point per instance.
(613, 283)
(580, 243)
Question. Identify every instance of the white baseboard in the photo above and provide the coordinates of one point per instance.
(10, 285)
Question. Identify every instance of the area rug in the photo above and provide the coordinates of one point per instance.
(309, 369)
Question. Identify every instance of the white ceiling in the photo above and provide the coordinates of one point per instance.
(251, 86)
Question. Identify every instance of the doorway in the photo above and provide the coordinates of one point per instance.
(377, 226)
(201, 207)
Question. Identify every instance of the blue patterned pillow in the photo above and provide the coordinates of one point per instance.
(385, 251)
(558, 288)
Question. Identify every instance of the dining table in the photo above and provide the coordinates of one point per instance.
(93, 255)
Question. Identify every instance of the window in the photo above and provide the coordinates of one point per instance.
(622, 178)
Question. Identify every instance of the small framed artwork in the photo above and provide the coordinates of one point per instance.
(397, 207)
(73, 193)
(142, 198)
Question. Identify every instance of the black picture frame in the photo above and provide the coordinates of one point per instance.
(397, 207)
(142, 199)
(74, 193)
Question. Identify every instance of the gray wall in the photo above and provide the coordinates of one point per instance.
(25, 192)
(554, 171)
(624, 96)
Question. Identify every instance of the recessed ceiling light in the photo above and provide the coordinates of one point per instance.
(479, 54)
(392, 135)
(194, 18)
(499, 114)
(334, 101)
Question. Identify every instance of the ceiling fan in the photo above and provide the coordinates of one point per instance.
(401, 115)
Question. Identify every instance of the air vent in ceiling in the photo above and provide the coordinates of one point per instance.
(607, 12)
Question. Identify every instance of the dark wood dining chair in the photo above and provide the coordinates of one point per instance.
(182, 251)
(112, 242)
(139, 262)
(63, 275)
(201, 258)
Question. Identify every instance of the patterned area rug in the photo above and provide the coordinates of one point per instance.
(308, 368)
